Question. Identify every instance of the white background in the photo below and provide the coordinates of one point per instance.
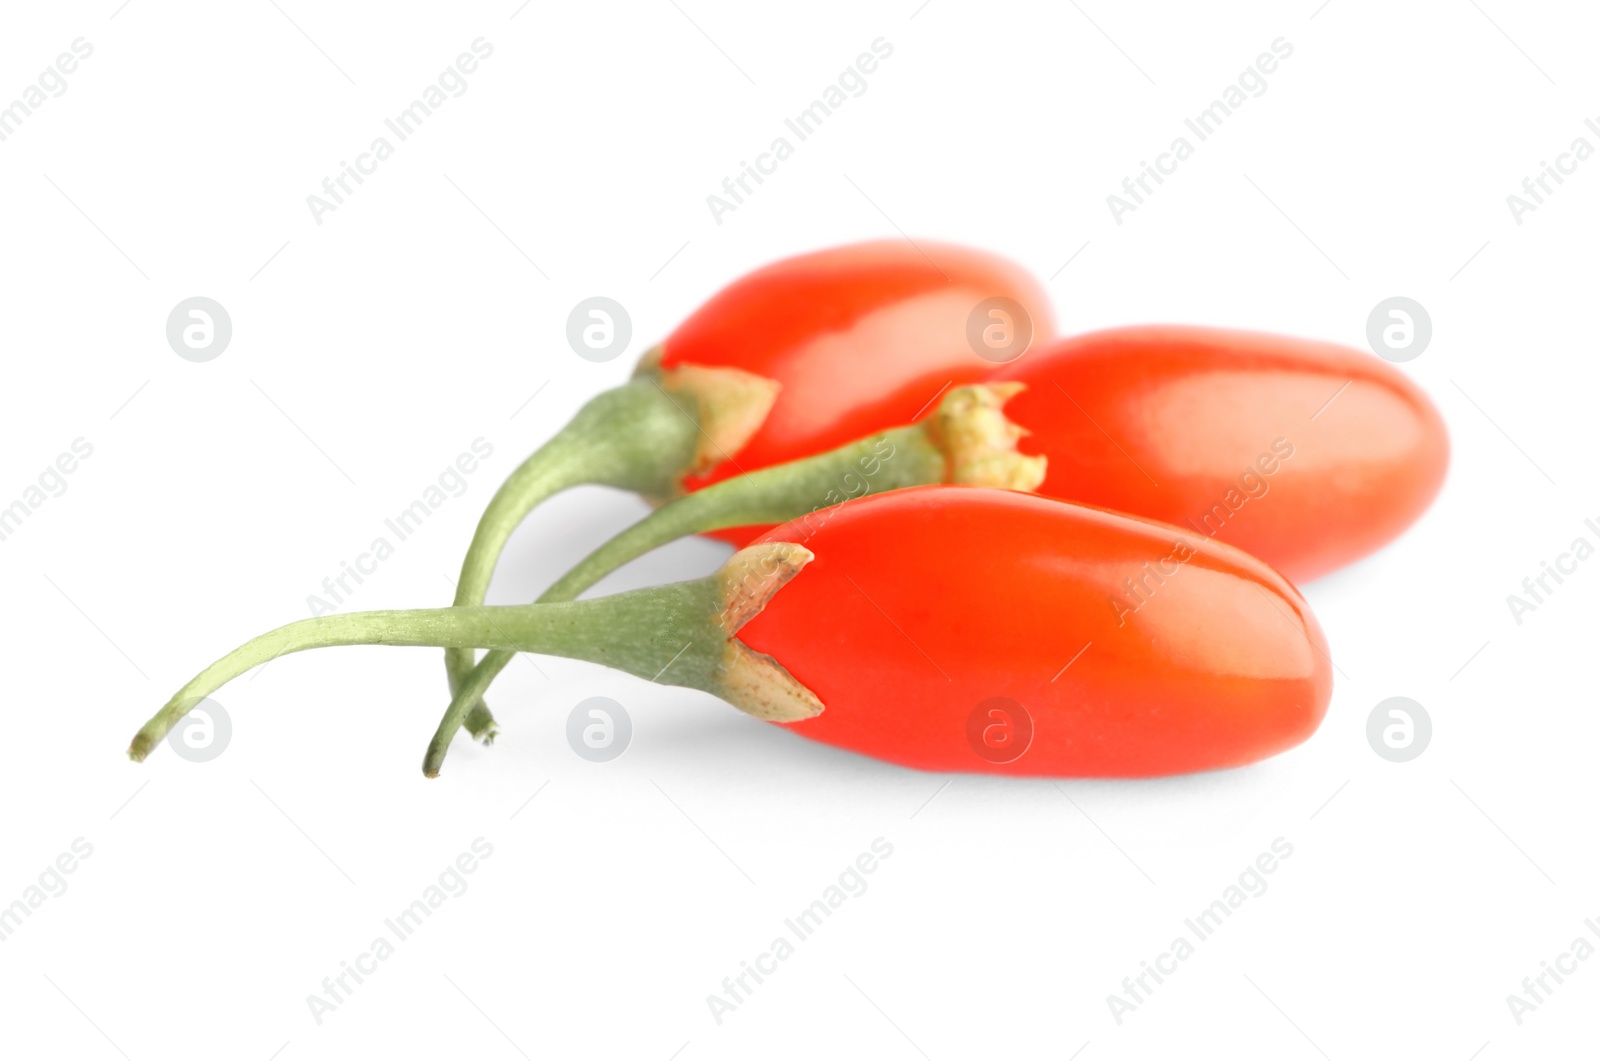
(370, 350)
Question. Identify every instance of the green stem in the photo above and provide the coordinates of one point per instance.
(967, 439)
(680, 634)
(635, 437)
(893, 460)
(907, 456)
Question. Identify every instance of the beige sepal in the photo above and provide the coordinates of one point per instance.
(972, 430)
(729, 404)
(752, 681)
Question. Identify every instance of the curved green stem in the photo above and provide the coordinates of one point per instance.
(967, 439)
(471, 692)
(643, 436)
(681, 634)
(635, 437)
(903, 457)
(907, 456)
